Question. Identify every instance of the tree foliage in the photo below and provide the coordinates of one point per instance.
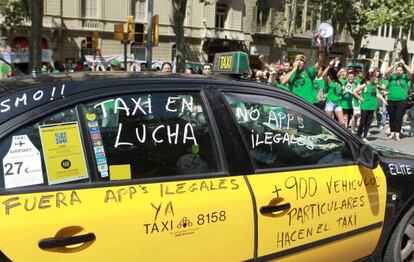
(398, 14)
(361, 16)
(14, 12)
(354, 16)
(392, 12)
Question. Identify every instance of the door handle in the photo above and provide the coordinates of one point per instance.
(65, 241)
(271, 209)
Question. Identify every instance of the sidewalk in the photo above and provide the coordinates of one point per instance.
(405, 145)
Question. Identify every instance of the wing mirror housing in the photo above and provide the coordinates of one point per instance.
(368, 157)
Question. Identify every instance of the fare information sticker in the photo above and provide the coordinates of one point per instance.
(63, 152)
(22, 165)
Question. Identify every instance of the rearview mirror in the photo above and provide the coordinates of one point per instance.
(367, 157)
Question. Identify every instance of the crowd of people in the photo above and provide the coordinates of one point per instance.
(353, 98)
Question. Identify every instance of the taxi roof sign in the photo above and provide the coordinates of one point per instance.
(231, 63)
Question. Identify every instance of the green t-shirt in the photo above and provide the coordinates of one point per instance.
(384, 83)
(369, 94)
(279, 85)
(318, 86)
(342, 81)
(301, 84)
(395, 92)
(348, 97)
(357, 80)
(334, 93)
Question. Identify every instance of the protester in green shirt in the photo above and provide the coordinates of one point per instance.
(368, 95)
(347, 98)
(359, 76)
(300, 80)
(278, 78)
(334, 93)
(397, 96)
(319, 89)
(342, 76)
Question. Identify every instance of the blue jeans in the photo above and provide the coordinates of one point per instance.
(382, 114)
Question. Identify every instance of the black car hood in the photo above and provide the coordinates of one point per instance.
(389, 152)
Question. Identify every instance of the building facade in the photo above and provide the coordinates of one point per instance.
(276, 29)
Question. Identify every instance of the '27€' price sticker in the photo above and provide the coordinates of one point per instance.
(22, 165)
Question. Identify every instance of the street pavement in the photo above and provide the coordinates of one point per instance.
(379, 137)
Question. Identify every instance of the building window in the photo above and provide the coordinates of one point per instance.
(221, 15)
(263, 13)
(296, 12)
(383, 32)
(139, 10)
(138, 51)
(312, 16)
(90, 8)
(300, 13)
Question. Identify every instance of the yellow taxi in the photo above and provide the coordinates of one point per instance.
(127, 167)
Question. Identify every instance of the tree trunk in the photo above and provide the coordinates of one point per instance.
(35, 41)
(394, 55)
(179, 11)
(404, 50)
(292, 22)
(357, 44)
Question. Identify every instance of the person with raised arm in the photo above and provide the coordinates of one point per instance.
(397, 96)
(299, 79)
(334, 93)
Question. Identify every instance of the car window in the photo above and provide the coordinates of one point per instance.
(151, 135)
(279, 134)
(46, 152)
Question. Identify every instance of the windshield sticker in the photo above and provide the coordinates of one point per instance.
(22, 165)
(90, 116)
(97, 144)
(63, 152)
(119, 172)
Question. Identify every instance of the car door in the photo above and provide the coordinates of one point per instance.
(123, 177)
(313, 201)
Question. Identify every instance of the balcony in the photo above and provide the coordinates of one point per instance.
(221, 33)
(90, 23)
(262, 29)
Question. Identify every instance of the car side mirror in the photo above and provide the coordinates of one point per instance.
(367, 157)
